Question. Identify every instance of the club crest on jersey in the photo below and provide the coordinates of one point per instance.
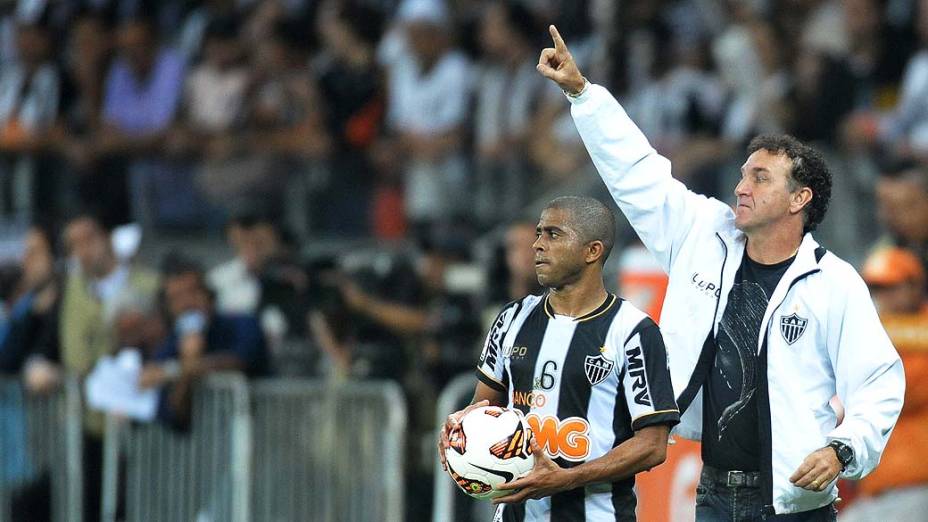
(792, 327)
(597, 368)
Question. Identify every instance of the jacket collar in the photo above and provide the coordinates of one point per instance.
(806, 262)
(806, 257)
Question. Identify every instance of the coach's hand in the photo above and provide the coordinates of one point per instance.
(558, 65)
(450, 423)
(818, 470)
(546, 479)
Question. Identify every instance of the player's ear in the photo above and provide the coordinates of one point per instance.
(594, 251)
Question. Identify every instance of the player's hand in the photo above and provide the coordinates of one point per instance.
(545, 479)
(558, 65)
(818, 470)
(450, 423)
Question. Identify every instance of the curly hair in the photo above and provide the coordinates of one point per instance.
(809, 170)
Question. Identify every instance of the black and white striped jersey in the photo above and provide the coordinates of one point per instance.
(585, 384)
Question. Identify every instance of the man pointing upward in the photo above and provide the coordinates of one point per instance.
(763, 326)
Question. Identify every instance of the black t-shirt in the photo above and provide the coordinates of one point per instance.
(730, 433)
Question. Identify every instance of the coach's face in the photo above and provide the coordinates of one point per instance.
(763, 193)
(559, 258)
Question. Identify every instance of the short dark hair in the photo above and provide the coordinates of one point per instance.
(175, 264)
(521, 20)
(89, 213)
(364, 21)
(809, 170)
(224, 28)
(590, 217)
(908, 170)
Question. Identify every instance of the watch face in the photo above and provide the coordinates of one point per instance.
(845, 453)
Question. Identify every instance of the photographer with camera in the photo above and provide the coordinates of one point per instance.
(266, 280)
(441, 320)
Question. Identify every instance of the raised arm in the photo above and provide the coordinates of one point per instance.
(660, 208)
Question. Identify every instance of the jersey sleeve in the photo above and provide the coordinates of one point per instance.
(646, 378)
(490, 369)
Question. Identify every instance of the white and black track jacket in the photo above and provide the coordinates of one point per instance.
(820, 335)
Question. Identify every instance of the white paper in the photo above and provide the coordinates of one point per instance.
(113, 387)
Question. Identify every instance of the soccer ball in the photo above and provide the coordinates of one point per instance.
(490, 446)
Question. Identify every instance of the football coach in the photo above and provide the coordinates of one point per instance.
(763, 326)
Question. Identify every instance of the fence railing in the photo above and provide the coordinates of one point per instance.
(328, 453)
(200, 475)
(450, 504)
(272, 450)
(40, 453)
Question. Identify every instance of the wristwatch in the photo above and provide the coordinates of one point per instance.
(843, 451)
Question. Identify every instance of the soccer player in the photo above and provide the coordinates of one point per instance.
(587, 368)
(762, 321)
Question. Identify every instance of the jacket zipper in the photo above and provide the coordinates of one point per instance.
(763, 406)
(706, 355)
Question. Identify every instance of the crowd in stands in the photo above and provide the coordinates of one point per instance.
(418, 136)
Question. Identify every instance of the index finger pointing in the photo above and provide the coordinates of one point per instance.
(559, 44)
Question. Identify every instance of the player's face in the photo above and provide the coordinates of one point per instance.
(558, 250)
(763, 195)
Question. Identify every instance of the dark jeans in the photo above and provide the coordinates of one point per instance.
(720, 503)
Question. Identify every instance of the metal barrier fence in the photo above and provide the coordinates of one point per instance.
(450, 503)
(328, 452)
(40, 453)
(277, 450)
(201, 475)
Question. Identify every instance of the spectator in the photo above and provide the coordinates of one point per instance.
(514, 277)
(29, 345)
(902, 201)
(822, 95)
(196, 25)
(356, 339)
(139, 326)
(141, 97)
(351, 82)
(506, 110)
(96, 284)
(905, 128)
(29, 339)
(898, 489)
(265, 280)
(215, 91)
(88, 57)
(429, 90)
(30, 107)
(201, 341)
(442, 323)
(94, 288)
(520, 260)
(876, 53)
(212, 109)
(282, 132)
(236, 285)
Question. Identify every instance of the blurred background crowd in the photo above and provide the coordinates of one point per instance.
(348, 188)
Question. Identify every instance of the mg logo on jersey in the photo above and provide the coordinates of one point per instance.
(597, 368)
(792, 327)
(568, 438)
